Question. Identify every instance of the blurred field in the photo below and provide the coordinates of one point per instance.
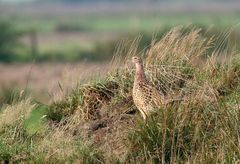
(70, 32)
(47, 82)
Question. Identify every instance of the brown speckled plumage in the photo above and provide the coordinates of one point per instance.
(146, 97)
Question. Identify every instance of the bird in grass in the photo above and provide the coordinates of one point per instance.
(146, 97)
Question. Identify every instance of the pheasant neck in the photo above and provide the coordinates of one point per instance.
(139, 76)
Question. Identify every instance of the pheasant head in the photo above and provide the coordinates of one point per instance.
(139, 75)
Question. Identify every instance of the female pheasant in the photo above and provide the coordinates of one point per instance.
(146, 97)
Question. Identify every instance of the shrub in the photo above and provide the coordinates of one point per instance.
(8, 42)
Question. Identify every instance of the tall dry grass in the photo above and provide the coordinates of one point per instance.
(202, 128)
(202, 71)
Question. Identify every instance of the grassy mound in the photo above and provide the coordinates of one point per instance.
(99, 123)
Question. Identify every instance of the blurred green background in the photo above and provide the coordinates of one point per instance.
(76, 30)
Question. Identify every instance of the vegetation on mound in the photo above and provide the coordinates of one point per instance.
(99, 123)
